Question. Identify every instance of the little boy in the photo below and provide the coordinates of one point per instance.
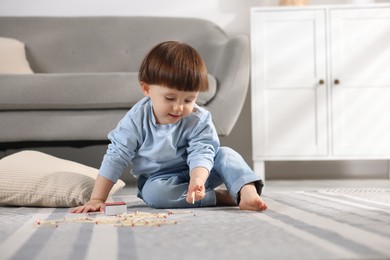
(172, 143)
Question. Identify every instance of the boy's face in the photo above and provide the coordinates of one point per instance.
(169, 105)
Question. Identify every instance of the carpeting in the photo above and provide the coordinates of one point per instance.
(317, 222)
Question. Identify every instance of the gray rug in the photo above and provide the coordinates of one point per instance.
(348, 223)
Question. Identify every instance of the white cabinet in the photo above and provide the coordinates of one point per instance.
(320, 83)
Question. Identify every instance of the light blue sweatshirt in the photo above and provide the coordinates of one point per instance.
(153, 149)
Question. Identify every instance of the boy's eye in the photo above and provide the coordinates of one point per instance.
(170, 98)
(189, 101)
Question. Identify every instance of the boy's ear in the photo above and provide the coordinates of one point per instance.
(145, 88)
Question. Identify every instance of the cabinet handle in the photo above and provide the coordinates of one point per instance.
(322, 82)
(336, 81)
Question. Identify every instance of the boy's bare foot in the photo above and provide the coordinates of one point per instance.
(250, 200)
(224, 198)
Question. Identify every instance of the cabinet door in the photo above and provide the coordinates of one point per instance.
(360, 62)
(288, 101)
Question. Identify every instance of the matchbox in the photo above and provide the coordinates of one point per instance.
(115, 208)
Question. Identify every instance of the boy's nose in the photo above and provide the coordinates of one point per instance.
(178, 107)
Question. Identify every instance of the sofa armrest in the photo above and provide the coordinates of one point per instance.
(232, 71)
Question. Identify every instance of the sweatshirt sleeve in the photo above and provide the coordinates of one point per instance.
(203, 145)
(124, 140)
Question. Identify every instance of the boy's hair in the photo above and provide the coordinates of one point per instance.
(174, 65)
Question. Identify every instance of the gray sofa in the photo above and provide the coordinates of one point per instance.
(85, 74)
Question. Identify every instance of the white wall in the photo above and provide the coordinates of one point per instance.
(233, 17)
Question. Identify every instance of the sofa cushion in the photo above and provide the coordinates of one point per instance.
(13, 57)
(77, 91)
(31, 178)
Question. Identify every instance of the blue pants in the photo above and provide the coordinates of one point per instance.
(169, 190)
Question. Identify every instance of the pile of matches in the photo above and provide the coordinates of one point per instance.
(135, 219)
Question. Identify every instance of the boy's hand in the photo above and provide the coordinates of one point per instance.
(98, 197)
(196, 189)
(90, 206)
